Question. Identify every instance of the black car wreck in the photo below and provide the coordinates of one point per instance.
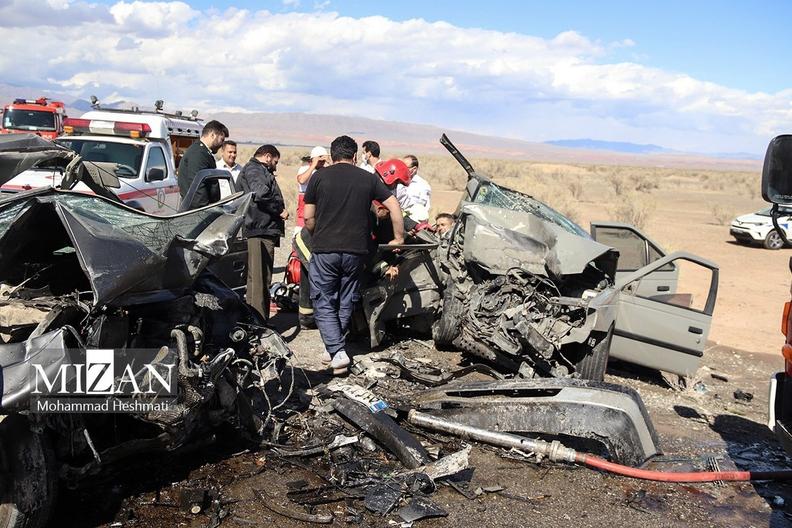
(82, 273)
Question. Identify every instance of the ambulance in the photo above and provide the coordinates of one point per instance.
(142, 149)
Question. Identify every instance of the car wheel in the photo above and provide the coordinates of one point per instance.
(447, 327)
(773, 240)
(594, 364)
(28, 477)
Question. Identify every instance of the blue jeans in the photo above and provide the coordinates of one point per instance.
(335, 285)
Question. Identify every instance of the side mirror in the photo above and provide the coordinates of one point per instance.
(777, 171)
(155, 174)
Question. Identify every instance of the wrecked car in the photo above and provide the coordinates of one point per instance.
(520, 285)
(85, 276)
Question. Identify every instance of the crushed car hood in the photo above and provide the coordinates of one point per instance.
(499, 239)
(127, 256)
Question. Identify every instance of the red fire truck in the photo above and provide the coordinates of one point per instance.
(38, 116)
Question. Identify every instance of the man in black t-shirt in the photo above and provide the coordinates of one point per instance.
(337, 205)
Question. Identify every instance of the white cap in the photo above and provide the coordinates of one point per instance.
(318, 151)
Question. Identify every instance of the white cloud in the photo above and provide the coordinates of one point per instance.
(291, 4)
(480, 80)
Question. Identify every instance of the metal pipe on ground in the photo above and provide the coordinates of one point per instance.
(557, 452)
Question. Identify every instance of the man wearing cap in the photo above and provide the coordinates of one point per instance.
(316, 160)
(415, 197)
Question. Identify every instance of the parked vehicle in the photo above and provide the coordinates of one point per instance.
(140, 149)
(519, 284)
(43, 117)
(757, 228)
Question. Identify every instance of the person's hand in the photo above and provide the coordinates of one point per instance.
(284, 214)
(396, 242)
(392, 273)
(382, 213)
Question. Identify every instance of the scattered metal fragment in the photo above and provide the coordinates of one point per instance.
(741, 395)
(387, 432)
(714, 465)
(271, 505)
(321, 495)
(448, 465)
(382, 499)
(338, 441)
(358, 394)
(421, 508)
(718, 376)
(611, 414)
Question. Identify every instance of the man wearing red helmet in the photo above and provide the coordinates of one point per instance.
(337, 208)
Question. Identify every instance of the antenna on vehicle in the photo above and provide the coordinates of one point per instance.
(159, 104)
(194, 114)
(94, 102)
(178, 113)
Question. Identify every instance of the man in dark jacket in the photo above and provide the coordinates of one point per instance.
(264, 224)
(198, 157)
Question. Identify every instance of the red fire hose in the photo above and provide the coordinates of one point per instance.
(680, 476)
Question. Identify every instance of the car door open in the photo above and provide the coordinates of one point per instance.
(637, 250)
(665, 331)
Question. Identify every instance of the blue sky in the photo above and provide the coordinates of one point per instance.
(741, 44)
(698, 76)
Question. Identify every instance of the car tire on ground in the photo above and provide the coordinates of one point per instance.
(448, 327)
(29, 476)
(594, 364)
(773, 240)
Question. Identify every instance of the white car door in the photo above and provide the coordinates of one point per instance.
(665, 332)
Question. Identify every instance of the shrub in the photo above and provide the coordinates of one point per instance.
(634, 209)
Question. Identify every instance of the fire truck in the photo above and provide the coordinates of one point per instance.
(38, 116)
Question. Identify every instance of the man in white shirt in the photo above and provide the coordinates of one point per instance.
(371, 155)
(228, 154)
(415, 199)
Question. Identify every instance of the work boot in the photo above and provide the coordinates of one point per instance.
(307, 322)
(340, 363)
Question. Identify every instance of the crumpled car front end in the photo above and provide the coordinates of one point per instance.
(533, 291)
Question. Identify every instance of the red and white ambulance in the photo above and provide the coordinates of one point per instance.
(142, 149)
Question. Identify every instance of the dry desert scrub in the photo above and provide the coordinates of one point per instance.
(721, 215)
(634, 209)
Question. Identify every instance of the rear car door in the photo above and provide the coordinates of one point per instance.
(637, 250)
(666, 332)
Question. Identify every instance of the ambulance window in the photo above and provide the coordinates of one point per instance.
(157, 160)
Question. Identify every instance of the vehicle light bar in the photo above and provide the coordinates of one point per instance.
(108, 128)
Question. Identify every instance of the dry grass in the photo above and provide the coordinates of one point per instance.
(635, 195)
(634, 209)
(722, 215)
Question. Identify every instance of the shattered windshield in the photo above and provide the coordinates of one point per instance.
(28, 120)
(120, 159)
(156, 233)
(494, 195)
(8, 214)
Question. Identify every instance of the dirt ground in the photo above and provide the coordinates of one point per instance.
(692, 425)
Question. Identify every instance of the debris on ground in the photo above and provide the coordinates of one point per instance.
(741, 395)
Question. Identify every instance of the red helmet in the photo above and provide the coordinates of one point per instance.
(393, 171)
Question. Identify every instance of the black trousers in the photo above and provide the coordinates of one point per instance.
(261, 259)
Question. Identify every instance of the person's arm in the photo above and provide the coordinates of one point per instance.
(397, 219)
(309, 209)
(304, 176)
(309, 215)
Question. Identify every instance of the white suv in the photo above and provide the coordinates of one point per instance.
(757, 228)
